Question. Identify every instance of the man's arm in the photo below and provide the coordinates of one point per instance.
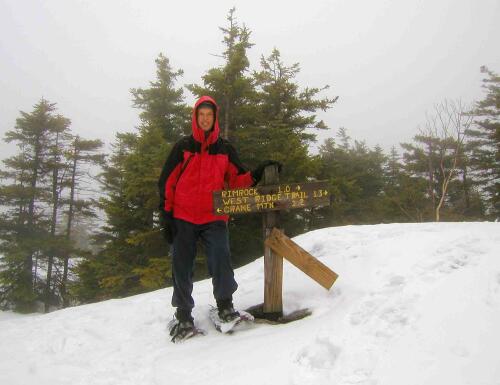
(168, 177)
(237, 175)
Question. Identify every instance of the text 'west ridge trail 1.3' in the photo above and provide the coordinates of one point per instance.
(265, 198)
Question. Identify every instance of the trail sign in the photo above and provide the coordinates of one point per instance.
(270, 198)
(273, 197)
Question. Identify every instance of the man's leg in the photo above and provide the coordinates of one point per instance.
(184, 252)
(215, 236)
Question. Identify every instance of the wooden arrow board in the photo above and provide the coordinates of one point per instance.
(288, 249)
(268, 198)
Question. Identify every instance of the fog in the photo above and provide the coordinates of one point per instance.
(388, 61)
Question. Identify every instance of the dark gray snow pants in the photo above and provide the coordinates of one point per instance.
(215, 237)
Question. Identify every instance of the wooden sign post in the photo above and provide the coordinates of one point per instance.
(273, 264)
(270, 198)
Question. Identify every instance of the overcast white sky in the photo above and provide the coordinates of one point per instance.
(389, 60)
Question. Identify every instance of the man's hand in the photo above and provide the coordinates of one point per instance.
(259, 171)
(167, 225)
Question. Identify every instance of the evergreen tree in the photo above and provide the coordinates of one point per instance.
(132, 258)
(82, 153)
(267, 116)
(56, 167)
(286, 117)
(230, 85)
(233, 88)
(162, 105)
(25, 226)
(484, 138)
(356, 177)
(284, 129)
(109, 274)
(404, 198)
(465, 194)
(16, 281)
(421, 164)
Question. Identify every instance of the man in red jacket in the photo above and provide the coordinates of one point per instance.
(197, 166)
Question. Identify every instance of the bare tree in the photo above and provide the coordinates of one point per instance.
(445, 129)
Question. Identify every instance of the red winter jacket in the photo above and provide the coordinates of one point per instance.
(195, 168)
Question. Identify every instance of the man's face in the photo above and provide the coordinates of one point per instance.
(205, 117)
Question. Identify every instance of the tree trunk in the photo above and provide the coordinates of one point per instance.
(53, 223)
(68, 228)
(466, 189)
(431, 175)
(28, 261)
(447, 178)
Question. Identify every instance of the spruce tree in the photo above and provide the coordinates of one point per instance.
(80, 156)
(230, 84)
(356, 177)
(133, 255)
(404, 196)
(25, 225)
(109, 274)
(284, 129)
(56, 166)
(484, 138)
(233, 88)
(266, 115)
(162, 104)
(286, 118)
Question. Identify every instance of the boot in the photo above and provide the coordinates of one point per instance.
(181, 326)
(226, 310)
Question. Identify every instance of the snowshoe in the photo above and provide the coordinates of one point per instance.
(183, 330)
(227, 320)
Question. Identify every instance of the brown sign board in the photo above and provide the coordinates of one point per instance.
(271, 197)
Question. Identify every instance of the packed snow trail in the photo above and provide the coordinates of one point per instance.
(414, 304)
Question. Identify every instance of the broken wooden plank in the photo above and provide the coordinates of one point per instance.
(288, 249)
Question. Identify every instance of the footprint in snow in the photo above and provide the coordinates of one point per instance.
(317, 248)
(321, 354)
(396, 281)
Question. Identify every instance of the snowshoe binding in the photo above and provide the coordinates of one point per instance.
(227, 320)
(183, 330)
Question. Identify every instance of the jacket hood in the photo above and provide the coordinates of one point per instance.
(198, 133)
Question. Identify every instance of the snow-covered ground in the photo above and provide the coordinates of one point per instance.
(414, 304)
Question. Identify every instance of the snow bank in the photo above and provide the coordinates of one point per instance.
(414, 304)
